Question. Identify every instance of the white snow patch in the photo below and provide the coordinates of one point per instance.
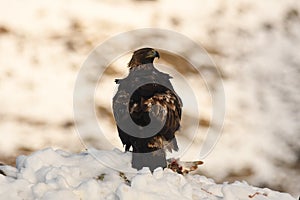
(98, 174)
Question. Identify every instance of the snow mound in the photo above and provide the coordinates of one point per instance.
(98, 174)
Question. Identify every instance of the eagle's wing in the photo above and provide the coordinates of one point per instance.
(120, 110)
(165, 109)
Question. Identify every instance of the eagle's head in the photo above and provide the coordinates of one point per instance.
(143, 56)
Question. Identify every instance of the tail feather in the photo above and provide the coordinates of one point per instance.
(152, 160)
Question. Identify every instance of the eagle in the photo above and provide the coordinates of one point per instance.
(147, 111)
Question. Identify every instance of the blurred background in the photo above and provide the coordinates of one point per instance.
(254, 43)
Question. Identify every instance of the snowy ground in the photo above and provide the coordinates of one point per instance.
(255, 44)
(49, 174)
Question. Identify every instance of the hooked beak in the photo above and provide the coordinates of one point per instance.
(153, 54)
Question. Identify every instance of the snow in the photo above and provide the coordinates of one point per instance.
(255, 44)
(99, 174)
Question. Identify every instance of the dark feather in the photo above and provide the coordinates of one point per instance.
(154, 100)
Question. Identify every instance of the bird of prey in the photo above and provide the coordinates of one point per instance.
(147, 111)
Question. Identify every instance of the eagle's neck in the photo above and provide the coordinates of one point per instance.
(148, 66)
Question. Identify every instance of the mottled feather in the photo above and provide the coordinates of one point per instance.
(146, 93)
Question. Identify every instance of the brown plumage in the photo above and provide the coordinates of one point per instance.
(147, 111)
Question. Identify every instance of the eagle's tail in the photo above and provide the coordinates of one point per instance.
(152, 160)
